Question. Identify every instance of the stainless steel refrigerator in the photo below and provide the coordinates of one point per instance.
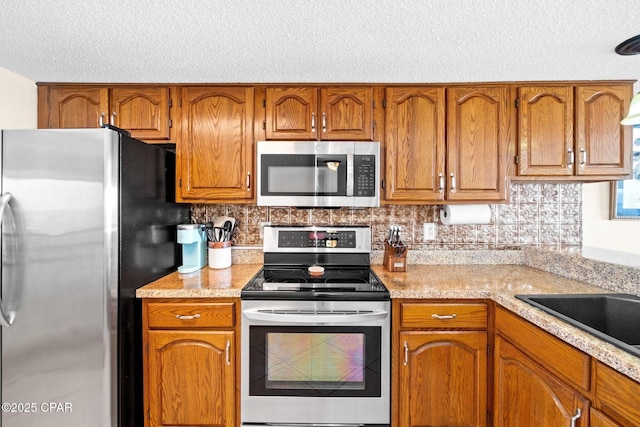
(87, 218)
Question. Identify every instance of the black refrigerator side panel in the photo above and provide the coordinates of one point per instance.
(148, 220)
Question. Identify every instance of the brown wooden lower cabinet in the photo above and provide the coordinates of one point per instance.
(598, 419)
(441, 371)
(617, 395)
(191, 378)
(539, 380)
(527, 395)
(190, 363)
(440, 364)
(443, 379)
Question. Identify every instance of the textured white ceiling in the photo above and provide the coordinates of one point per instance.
(193, 41)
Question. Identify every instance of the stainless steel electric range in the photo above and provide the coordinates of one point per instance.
(316, 332)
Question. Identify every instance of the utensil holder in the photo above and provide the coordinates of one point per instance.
(393, 261)
(219, 254)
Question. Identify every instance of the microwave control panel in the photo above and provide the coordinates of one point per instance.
(364, 172)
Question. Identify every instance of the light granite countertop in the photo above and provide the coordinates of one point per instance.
(204, 283)
(499, 283)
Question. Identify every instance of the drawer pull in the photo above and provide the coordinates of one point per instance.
(441, 317)
(188, 317)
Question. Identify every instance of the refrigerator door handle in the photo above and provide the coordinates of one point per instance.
(5, 320)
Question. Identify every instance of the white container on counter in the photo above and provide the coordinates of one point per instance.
(219, 254)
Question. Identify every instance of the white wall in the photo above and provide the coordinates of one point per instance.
(598, 230)
(18, 101)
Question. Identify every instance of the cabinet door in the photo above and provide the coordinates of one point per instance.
(598, 419)
(527, 395)
(477, 137)
(415, 145)
(191, 379)
(347, 113)
(215, 147)
(72, 107)
(603, 145)
(443, 379)
(291, 113)
(617, 395)
(545, 131)
(142, 111)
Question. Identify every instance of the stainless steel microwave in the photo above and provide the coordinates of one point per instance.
(318, 173)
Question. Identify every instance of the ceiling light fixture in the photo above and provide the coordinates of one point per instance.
(631, 47)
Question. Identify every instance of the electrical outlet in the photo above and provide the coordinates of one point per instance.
(428, 231)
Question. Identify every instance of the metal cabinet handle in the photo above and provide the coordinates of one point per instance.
(5, 319)
(248, 180)
(406, 353)
(188, 317)
(571, 157)
(453, 183)
(113, 119)
(441, 179)
(313, 122)
(576, 417)
(227, 352)
(583, 157)
(324, 121)
(101, 120)
(444, 317)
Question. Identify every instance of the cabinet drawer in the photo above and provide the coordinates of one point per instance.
(443, 315)
(562, 359)
(617, 395)
(191, 315)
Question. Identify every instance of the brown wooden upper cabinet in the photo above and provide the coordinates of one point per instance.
(415, 144)
(461, 159)
(477, 141)
(573, 131)
(142, 110)
(214, 150)
(313, 113)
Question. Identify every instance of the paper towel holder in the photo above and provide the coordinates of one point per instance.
(442, 211)
(465, 214)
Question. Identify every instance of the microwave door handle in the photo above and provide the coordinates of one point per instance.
(349, 174)
(316, 173)
(313, 318)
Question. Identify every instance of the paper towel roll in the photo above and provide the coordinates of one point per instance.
(465, 214)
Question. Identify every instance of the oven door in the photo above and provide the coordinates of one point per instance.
(310, 362)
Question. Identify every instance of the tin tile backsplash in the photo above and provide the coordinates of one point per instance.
(538, 215)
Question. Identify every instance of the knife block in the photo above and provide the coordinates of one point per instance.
(393, 262)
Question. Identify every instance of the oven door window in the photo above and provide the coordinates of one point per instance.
(314, 361)
(304, 175)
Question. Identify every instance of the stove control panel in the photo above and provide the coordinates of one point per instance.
(317, 239)
(311, 239)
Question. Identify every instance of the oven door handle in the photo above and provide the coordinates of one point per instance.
(311, 317)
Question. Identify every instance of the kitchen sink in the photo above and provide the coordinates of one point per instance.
(614, 318)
